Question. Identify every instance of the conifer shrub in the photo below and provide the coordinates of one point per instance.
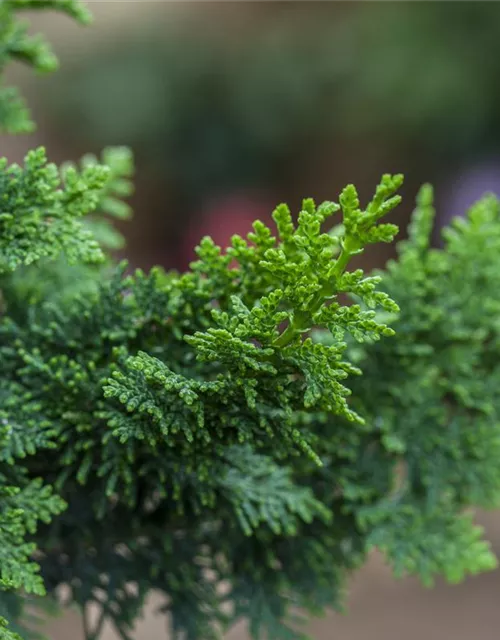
(239, 437)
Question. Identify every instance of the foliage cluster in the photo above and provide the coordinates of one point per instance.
(236, 438)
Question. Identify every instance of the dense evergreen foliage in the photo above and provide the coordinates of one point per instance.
(240, 436)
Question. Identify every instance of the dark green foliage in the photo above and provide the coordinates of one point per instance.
(40, 222)
(237, 438)
(433, 389)
(192, 424)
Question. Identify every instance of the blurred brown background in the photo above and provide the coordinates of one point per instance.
(231, 108)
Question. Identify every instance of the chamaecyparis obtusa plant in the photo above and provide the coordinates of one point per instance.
(236, 438)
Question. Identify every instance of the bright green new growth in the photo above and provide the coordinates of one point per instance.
(237, 438)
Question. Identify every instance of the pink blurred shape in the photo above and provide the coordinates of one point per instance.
(224, 217)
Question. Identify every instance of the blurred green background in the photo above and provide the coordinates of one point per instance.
(231, 108)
